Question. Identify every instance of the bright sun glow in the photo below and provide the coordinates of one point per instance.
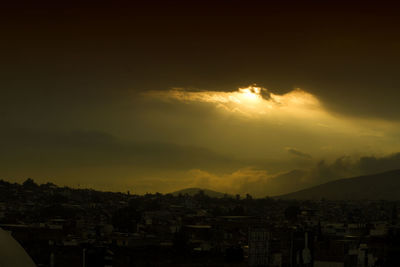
(250, 100)
(297, 109)
(250, 94)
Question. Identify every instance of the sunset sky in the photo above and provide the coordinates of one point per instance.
(259, 97)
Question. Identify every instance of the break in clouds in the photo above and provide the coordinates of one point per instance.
(290, 141)
(257, 122)
(249, 140)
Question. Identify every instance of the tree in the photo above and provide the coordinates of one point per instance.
(29, 184)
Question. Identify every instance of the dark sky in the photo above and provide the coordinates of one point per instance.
(345, 52)
(79, 81)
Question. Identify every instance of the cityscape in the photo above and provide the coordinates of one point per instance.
(61, 226)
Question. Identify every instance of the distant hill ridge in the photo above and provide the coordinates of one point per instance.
(380, 186)
(194, 190)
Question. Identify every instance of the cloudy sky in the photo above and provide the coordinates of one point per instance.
(236, 96)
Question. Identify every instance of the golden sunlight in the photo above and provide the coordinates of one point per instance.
(249, 101)
(250, 93)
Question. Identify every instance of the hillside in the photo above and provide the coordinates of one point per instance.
(193, 191)
(384, 185)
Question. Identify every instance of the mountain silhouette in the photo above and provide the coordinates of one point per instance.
(380, 186)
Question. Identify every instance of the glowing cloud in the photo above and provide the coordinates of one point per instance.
(248, 101)
(239, 181)
(290, 119)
